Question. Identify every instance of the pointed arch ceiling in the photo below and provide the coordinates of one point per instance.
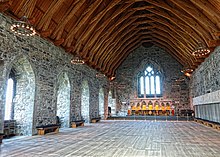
(104, 32)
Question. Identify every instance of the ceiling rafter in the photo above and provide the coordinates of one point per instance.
(85, 18)
(168, 49)
(171, 43)
(100, 32)
(105, 32)
(46, 19)
(66, 18)
(210, 10)
(174, 44)
(189, 34)
(198, 15)
(91, 27)
(133, 45)
(109, 37)
(181, 20)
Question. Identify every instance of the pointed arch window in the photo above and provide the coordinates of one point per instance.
(149, 83)
(10, 92)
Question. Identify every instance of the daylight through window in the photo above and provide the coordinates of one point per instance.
(149, 83)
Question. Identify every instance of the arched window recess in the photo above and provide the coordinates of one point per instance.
(149, 82)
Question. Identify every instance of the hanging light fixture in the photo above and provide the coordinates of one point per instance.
(112, 78)
(23, 27)
(187, 71)
(201, 50)
(77, 60)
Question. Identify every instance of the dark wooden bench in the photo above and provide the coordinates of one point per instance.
(76, 123)
(94, 120)
(43, 129)
(208, 123)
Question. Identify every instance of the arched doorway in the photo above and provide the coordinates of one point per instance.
(21, 94)
(101, 103)
(63, 100)
(111, 104)
(85, 101)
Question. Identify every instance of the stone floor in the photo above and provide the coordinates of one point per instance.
(120, 139)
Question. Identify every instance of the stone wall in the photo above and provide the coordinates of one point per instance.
(170, 68)
(47, 62)
(205, 88)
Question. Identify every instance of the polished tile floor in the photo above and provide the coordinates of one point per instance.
(120, 139)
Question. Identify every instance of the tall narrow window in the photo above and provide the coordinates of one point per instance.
(9, 97)
(149, 84)
(142, 84)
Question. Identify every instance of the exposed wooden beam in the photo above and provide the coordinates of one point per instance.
(69, 49)
(217, 34)
(95, 39)
(45, 33)
(27, 9)
(5, 5)
(59, 42)
(87, 15)
(209, 10)
(214, 43)
(188, 7)
(179, 19)
(66, 18)
(46, 19)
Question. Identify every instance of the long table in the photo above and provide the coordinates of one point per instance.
(149, 112)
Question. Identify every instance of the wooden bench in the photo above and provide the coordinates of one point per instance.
(214, 125)
(43, 129)
(94, 120)
(76, 123)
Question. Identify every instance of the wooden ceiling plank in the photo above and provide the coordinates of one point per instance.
(110, 35)
(198, 15)
(181, 20)
(100, 30)
(171, 36)
(92, 26)
(127, 49)
(103, 50)
(59, 42)
(169, 50)
(126, 42)
(210, 10)
(116, 40)
(216, 4)
(27, 9)
(178, 49)
(66, 18)
(173, 51)
(185, 28)
(142, 15)
(113, 69)
(143, 7)
(173, 43)
(46, 19)
(5, 5)
(111, 51)
(109, 7)
(107, 34)
(214, 43)
(83, 20)
(19, 7)
(187, 40)
(116, 63)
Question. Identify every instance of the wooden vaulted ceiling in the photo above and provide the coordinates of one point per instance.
(104, 32)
